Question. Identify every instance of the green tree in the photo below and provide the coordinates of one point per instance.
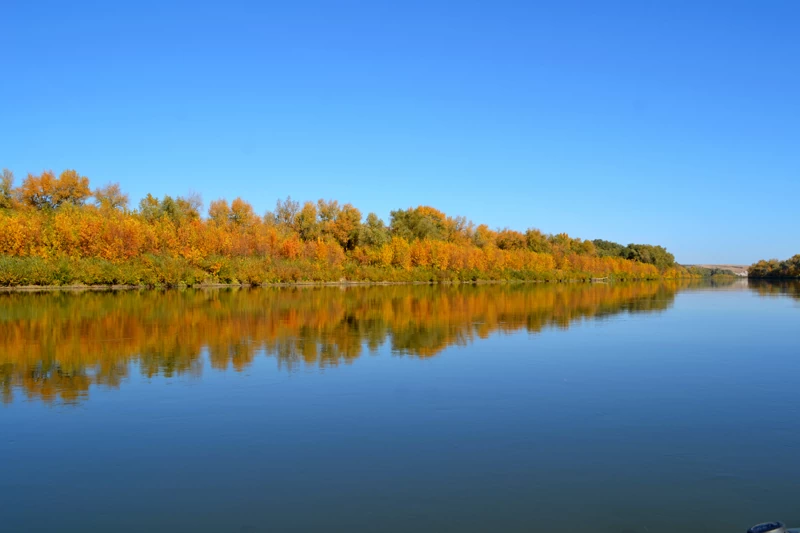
(538, 241)
(647, 253)
(179, 210)
(421, 223)
(373, 232)
(774, 268)
(150, 207)
(608, 248)
(7, 189)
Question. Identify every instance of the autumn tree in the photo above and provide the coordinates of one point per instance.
(345, 226)
(111, 197)
(318, 240)
(774, 268)
(458, 229)
(46, 191)
(190, 205)
(219, 211)
(306, 222)
(241, 213)
(562, 241)
(483, 236)
(508, 239)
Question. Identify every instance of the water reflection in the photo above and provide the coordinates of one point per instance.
(776, 287)
(57, 346)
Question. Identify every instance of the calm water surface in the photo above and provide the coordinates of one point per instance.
(612, 408)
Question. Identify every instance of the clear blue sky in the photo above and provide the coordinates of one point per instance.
(674, 123)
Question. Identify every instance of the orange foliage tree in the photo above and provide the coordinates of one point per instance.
(52, 218)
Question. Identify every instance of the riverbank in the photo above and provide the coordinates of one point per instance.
(345, 283)
(44, 288)
(150, 271)
(303, 284)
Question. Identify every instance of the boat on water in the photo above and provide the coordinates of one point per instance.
(772, 527)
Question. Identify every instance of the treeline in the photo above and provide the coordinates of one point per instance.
(776, 269)
(58, 230)
(644, 253)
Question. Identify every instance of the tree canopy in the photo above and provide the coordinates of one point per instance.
(643, 253)
(774, 268)
(51, 217)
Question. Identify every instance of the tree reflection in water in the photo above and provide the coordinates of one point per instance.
(55, 346)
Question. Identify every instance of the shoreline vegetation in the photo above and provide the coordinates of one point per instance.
(343, 284)
(56, 232)
(299, 284)
(776, 269)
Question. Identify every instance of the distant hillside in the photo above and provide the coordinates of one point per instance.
(739, 270)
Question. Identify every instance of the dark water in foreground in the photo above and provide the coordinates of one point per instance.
(606, 408)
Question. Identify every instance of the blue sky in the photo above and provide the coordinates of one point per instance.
(673, 123)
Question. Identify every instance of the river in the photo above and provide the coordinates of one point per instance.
(624, 408)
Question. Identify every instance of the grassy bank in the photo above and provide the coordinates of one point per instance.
(166, 271)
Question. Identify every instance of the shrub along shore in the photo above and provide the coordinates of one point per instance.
(776, 269)
(165, 271)
(57, 231)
